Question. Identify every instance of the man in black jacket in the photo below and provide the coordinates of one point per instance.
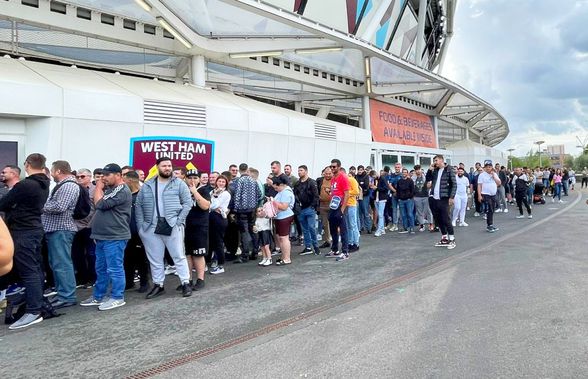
(307, 197)
(363, 179)
(23, 206)
(443, 187)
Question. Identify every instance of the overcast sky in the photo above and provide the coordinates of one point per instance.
(529, 59)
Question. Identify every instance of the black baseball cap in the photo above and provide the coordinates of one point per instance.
(111, 168)
(192, 172)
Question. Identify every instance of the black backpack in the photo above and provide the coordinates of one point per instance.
(84, 203)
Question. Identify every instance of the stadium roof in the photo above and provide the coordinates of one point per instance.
(255, 47)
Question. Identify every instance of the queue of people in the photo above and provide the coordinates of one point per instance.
(109, 228)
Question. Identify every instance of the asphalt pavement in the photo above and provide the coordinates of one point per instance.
(504, 304)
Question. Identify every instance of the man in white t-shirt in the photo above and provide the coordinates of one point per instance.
(461, 198)
(488, 183)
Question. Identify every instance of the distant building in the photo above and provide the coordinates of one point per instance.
(557, 155)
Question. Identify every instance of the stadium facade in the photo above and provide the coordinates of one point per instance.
(229, 81)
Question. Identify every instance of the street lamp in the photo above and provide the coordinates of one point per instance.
(510, 156)
(539, 143)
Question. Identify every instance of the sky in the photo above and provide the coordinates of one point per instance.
(529, 59)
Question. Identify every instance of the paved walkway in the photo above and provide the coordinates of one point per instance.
(250, 306)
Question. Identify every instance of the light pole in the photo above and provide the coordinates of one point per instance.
(510, 156)
(539, 143)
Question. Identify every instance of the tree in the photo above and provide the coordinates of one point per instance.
(569, 161)
(581, 162)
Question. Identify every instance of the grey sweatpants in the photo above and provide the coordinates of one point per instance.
(423, 213)
(155, 245)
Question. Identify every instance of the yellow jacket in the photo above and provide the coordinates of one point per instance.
(353, 192)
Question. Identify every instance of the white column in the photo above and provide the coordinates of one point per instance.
(198, 70)
(420, 32)
(367, 125)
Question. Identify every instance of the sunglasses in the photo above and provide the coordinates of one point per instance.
(335, 166)
(81, 176)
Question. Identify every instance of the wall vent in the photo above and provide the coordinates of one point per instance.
(324, 131)
(159, 112)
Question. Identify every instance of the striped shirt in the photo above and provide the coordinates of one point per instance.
(60, 205)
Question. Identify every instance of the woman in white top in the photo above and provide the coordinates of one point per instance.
(219, 209)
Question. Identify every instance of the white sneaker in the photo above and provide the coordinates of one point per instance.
(90, 302)
(111, 304)
(262, 262)
(520, 216)
(561, 201)
(453, 223)
(476, 214)
(464, 224)
(505, 210)
(378, 233)
(170, 270)
(553, 199)
(530, 216)
(268, 262)
(26, 320)
(498, 210)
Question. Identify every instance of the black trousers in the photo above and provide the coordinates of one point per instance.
(245, 221)
(521, 199)
(29, 266)
(440, 210)
(490, 201)
(136, 259)
(216, 229)
(477, 203)
(83, 254)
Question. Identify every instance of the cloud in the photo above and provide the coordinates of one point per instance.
(529, 59)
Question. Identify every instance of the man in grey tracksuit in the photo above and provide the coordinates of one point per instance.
(173, 204)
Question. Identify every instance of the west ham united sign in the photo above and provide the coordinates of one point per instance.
(183, 152)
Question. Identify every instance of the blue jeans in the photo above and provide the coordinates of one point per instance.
(307, 218)
(381, 204)
(352, 230)
(110, 269)
(556, 191)
(59, 247)
(530, 191)
(395, 213)
(364, 213)
(407, 211)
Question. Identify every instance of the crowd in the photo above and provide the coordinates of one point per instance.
(109, 228)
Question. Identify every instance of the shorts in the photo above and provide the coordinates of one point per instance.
(264, 237)
(196, 241)
(283, 226)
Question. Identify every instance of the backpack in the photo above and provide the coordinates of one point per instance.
(83, 205)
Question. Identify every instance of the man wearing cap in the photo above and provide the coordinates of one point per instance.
(111, 231)
(488, 183)
(161, 209)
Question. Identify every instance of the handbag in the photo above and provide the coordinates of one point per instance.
(162, 227)
(269, 209)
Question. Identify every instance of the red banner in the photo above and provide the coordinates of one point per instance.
(392, 124)
(184, 152)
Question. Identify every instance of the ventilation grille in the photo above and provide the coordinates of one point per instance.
(159, 112)
(323, 131)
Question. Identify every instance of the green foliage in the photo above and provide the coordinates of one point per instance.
(581, 162)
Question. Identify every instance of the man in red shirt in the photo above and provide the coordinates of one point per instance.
(337, 207)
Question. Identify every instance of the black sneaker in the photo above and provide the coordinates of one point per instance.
(181, 286)
(316, 250)
(306, 251)
(353, 248)
(443, 243)
(241, 259)
(325, 245)
(157, 290)
(186, 290)
(199, 285)
(144, 288)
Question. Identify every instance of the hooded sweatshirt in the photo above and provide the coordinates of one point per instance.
(24, 203)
